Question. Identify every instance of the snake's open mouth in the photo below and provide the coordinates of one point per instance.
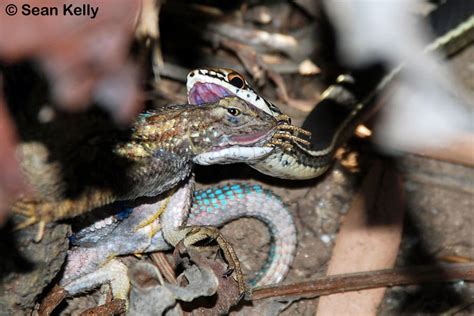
(207, 92)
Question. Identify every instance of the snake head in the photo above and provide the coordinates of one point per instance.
(206, 85)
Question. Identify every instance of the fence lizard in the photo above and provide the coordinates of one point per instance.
(154, 157)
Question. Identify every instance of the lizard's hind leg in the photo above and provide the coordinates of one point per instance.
(175, 231)
(195, 234)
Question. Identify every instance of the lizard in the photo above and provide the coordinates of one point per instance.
(139, 229)
(156, 156)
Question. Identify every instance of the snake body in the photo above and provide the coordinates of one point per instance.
(343, 105)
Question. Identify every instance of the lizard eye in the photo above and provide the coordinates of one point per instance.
(233, 111)
(236, 80)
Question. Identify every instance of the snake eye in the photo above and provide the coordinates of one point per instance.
(233, 111)
(236, 80)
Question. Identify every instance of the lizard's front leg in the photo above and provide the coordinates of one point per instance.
(173, 221)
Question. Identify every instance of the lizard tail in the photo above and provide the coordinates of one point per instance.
(219, 205)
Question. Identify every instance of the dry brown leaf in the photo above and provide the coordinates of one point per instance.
(227, 294)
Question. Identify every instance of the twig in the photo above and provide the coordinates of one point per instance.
(114, 307)
(160, 261)
(52, 300)
(367, 280)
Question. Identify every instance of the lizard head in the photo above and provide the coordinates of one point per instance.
(226, 131)
(230, 130)
(206, 85)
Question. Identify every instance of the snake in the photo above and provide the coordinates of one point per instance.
(307, 152)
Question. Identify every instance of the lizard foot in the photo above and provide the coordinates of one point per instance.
(29, 210)
(114, 272)
(196, 234)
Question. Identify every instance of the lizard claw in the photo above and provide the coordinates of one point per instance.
(228, 273)
(31, 211)
(25, 208)
(201, 233)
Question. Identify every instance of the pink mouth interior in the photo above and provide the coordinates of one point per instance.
(207, 93)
